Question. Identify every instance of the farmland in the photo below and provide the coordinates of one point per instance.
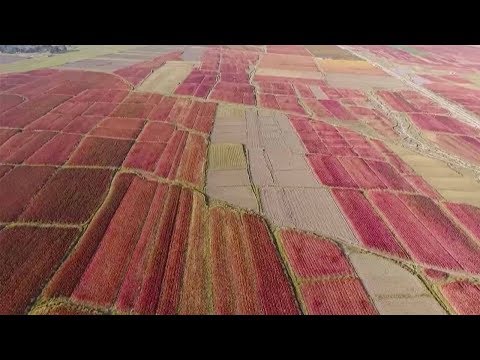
(269, 180)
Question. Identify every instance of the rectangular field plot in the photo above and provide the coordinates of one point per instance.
(99, 151)
(417, 239)
(18, 187)
(56, 151)
(311, 256)
(125, 128)
(31, 110)
(370, 228)
(28, 256)
(70, 196)
(22, 145)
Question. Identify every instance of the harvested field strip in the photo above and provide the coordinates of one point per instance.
(65, 307)
(167, 78)
(394, 289)
(348, 66)
(330, 52)
(226, 157)
(28, 256)
(314, 209)
(84, 52)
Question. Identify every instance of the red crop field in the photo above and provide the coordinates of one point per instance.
(134, 110)
(28, 256)
(311, 257)
(8, 101)
(464, 297)
(70, 196)
(52, 121)
(341, 297)
(188, 113)
(156, 132)
(420, 242)
(330, 171)
(18, 187)
(99, 151)
(263, 179)
(4, 169)
(64, 281)
(463, 249)
(101, 109)
(467, 215)
(22, 145)
(56, 151)
(166, 223)
(371, 229)
(82, 124)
